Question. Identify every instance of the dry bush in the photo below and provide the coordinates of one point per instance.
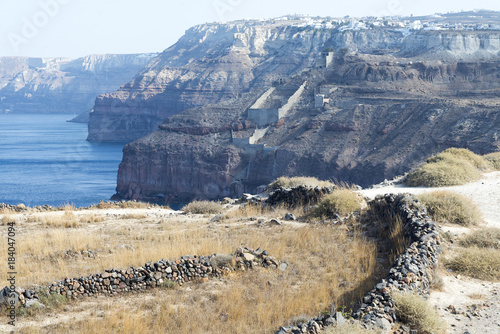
(8, 219)
(256, 210)
(417, 313)
(292, 182)
(105, 205)
(476, 160)
(203, 207)
(91, 218)
(476, 262)
(340, 202)
(133, 205)
(68, 207)
(437, 282)
(67, 219)
(494, 160)
(448, 168)
(483, 238)
(450, 207)
(133, 216)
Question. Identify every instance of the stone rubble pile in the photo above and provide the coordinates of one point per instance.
(412, 270)
(153, 274)
(298, 196)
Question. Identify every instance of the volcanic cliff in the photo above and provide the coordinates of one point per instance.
(216, 62)
(354, 105)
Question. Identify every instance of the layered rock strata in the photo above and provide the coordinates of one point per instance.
(382, 118)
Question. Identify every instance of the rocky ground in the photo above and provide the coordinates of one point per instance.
(468, 305)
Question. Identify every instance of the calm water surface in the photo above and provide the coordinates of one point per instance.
(46, 160)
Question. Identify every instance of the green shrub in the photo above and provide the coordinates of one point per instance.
(494, 160)
(448, 168)
(168, 284)
(481, 263)
(203, 207)
(51, 300)
(446, 206)
(340, 202)
(483, 238)
(417, 313)
(292, 182)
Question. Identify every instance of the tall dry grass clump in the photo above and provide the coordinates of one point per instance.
(203, 207)
(454, 166)
(481, 263)
(449, 207)
(66, 219)
(494, 160)
(339, 202)
(482, 238)
(292, 182)
(417, 313)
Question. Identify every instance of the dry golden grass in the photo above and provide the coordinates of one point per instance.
(124, 205)
(476, 160)
(320, 272)
(414, 311)
(134, 216)
(482, 238)
(481, 263)
(450, 207)
(258, 301)
(251, 210)
(292, 182)
(448, 168)
(203, 207)
(67, 219)
(339, 202)
(494, 160)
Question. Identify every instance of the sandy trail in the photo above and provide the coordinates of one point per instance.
(485, 193)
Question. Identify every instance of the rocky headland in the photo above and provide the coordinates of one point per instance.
(63, 85)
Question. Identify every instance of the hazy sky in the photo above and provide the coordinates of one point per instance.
(75, 28)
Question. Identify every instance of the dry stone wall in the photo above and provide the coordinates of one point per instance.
(151, 275)
(411, 272)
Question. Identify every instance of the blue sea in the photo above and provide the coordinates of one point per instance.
(46, 160)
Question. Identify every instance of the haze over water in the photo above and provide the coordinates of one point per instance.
(46, 160)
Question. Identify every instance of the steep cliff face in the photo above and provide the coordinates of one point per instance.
(382, 118)
(217, 62)
(62, 85)
(463, 44)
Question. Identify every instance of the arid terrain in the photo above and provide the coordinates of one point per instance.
(475, 303)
